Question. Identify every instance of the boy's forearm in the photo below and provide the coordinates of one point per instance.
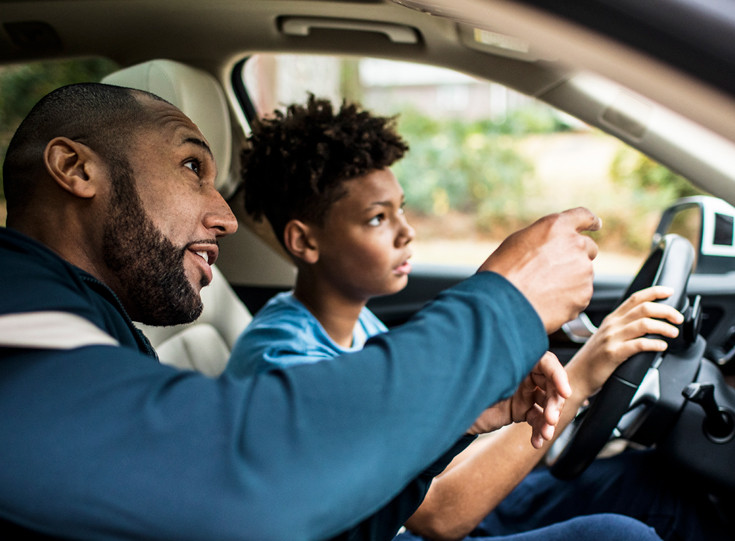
(481, 477)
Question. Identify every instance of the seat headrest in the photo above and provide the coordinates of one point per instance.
(198, 95)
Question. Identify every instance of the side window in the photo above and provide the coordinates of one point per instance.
(484, 160)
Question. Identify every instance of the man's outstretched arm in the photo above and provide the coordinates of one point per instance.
(120, 443)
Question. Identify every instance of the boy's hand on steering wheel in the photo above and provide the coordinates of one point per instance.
(623, 333)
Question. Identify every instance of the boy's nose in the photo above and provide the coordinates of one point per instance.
(406, 234)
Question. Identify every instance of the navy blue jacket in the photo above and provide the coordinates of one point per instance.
(104, 442)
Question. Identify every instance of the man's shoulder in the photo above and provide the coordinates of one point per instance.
(42, 282)
(33, 272)
(15, 242)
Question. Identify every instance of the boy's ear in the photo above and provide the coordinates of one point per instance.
(299, 240)
(72, 165)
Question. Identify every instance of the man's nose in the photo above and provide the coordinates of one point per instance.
(219, 216)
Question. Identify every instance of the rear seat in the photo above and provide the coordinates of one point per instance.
(205, 344)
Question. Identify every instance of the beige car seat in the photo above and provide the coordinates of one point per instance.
(205, 344)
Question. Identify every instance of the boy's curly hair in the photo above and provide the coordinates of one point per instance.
(296, 163)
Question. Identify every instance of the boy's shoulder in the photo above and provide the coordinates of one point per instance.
(281, 307)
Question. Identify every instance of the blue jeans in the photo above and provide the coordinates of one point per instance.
(603, 527)
(634, 483)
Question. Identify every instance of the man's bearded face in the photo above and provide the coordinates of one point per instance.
(150, 268)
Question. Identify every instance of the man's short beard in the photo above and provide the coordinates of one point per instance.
(149, 267)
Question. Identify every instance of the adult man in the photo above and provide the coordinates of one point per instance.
(113, 216)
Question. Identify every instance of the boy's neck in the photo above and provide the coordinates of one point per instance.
(337, 314)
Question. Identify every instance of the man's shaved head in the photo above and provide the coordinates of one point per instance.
(102, 117)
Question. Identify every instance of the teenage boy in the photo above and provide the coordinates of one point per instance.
(322, 179)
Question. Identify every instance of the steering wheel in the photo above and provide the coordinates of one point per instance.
(670, 263)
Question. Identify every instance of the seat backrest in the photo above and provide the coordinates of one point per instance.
(205, 344)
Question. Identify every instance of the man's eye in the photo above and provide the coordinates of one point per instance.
(194, 165)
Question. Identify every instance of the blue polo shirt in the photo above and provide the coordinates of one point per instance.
(284, 333)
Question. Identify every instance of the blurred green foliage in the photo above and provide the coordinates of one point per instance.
(527, 120)
(471, 167)
(638, 172)
(21, 86)
(349, 80)
(650, 186)
(478, 168)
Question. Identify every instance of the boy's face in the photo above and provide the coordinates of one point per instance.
(364, 243)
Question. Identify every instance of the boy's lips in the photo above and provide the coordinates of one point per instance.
(404, 268)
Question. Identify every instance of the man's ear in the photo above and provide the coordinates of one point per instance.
(72, 165)
(299, 240)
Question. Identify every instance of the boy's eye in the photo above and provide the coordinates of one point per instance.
(376, 220)
(194, 165)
